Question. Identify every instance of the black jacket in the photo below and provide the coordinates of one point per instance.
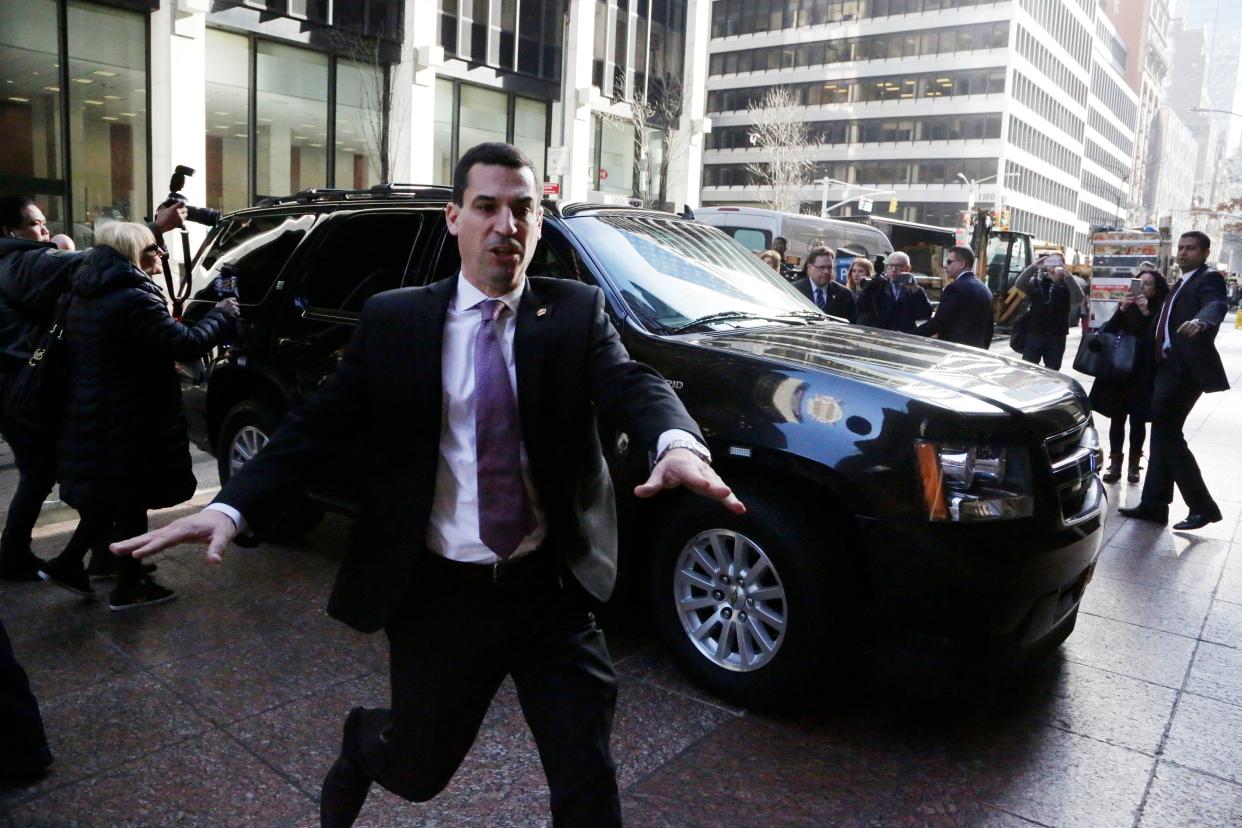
(33, 275)
(878, 308)
(840, 301)
(570, 367)
(1202, 298)
(123, 438)
(964, 314)
(1132, 395)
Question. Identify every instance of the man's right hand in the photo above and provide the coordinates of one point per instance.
(209, 526)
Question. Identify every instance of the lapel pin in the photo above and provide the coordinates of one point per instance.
(541, 312)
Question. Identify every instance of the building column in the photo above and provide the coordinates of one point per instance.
(178, 107)
(411, 121)
(571, 124)
(685, 170)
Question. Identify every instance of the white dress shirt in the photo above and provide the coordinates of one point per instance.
(453, 529)
(1168, 318)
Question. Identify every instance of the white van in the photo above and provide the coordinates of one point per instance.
(756, 227)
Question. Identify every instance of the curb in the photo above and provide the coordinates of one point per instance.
(62, 519)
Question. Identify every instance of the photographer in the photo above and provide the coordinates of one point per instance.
(893, 300)
(1053, 298)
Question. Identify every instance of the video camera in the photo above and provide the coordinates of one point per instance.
(199, 215)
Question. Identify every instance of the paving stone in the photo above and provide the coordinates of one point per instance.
(1217, 673)
(1150, 655)
(1204, 736)
(1146, 606)
(1230, 586)
(1140, 566)
(1224, 624)
(1182, 798)
(1159, 541)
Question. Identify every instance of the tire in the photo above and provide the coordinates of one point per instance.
(247, 428)
(767, 596)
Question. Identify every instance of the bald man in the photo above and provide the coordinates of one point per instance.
(892, 300)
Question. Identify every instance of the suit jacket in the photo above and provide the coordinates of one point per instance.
(570, 366)
(1203, 298)
(964, 314)
(878, 308)
(840, 300)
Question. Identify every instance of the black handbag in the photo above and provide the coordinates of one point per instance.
(1106, 355)
(35, 397)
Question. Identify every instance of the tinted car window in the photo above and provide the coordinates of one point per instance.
(362, 255)
(754, 239)
(257, 249)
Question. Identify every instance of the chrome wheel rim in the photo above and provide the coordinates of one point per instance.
(730, 600)
(246, 444)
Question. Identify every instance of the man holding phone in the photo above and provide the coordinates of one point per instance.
(1051, 294)
(893, 300)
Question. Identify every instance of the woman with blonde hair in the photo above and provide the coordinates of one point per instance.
(772, 259)
(860, 270)
(123, 447)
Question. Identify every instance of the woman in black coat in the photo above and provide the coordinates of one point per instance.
(123, 447)
(1130, 398)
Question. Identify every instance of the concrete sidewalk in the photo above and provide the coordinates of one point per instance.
(224, 708)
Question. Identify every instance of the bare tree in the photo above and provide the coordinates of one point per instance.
(655, 116)
(381, 126)
(781, 136)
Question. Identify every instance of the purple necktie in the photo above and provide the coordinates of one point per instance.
(505, 516)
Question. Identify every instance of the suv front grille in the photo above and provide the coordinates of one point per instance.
(1072, 459)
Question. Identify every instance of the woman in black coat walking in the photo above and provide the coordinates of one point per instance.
(123, 447)
(1130, 398)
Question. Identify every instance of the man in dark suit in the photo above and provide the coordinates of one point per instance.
(819, 284)
(893, 300)
(488, 531)
(965, 311)
(1187, 365)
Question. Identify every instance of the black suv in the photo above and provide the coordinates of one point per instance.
(911, 496)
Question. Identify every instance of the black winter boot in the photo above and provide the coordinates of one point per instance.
(1113, 474)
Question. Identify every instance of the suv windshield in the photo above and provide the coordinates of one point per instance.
(677, 275)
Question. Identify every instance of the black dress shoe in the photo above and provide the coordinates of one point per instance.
(345, 787)
(1195, 520)
(23, 568)
(1141, 512)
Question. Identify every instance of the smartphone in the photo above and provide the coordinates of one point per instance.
(1054, 260)
(1136, 287)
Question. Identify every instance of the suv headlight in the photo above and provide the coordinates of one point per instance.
(974, 482)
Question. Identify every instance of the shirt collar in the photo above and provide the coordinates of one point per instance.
(469, 296)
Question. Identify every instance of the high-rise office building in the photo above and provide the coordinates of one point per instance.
(933, 100)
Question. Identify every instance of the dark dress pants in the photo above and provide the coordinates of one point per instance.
(452, 642)
(1048, 347)
(25, 750)
(34, 453)
(1171, 462)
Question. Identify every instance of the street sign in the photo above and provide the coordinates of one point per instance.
(865, 204)
(551, 189)
(558, 160)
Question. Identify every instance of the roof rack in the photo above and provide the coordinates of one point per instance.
(321, 194)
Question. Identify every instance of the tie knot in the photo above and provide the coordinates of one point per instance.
(491, 309)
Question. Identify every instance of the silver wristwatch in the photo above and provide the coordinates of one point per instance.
(694, 446)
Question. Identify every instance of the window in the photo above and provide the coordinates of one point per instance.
(442, 138)
(227, 120)
(482, 116)
(757, 240)
(359, 125)
(466, 115)
(256, 249)
(292, 114)
(108, 104)
(349, 267)
(530, 130)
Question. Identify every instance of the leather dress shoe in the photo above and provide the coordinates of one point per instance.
(345, 787)
(1196, 520)
(1141, 512)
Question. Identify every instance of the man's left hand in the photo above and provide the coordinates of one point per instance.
(1192, 327)
(681, 467)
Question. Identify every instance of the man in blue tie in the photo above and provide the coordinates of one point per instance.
(1187, 366)
(819, 284)
(488, 531)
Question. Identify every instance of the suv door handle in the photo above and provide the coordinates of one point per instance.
(290, 344)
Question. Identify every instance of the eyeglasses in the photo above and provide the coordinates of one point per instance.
(154, 250)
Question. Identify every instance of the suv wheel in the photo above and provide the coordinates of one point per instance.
(744, 602)
(247, 428)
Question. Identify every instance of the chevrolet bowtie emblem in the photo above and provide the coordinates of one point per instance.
(541, 312)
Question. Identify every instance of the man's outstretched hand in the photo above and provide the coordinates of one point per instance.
(213, 528)
(681, 467)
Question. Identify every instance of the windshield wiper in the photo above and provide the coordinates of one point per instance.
(726, 316)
